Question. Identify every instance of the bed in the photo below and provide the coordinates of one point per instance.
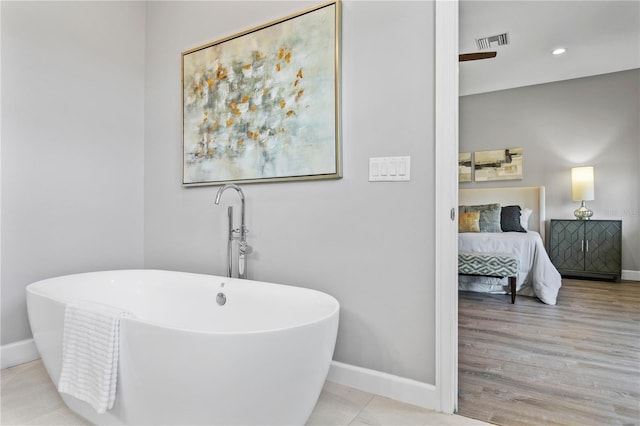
(537, 277)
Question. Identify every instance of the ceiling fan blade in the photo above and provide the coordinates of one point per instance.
(477, 55)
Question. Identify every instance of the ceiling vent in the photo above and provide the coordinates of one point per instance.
(491, 41)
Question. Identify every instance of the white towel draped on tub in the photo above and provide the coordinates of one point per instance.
(90, 352)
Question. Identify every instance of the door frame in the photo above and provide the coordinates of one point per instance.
(446, 202)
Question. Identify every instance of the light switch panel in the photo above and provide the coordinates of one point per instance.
(389, 169)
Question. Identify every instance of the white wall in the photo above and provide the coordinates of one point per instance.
(72, 144)
(368, 244)
(586, 121)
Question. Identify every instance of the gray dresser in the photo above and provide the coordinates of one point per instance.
(587, 248)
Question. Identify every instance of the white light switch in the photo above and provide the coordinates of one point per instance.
(402, 168)
(393, 167)
(389, 169)
(374, 169)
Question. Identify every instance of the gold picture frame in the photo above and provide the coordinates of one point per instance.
(263, 105)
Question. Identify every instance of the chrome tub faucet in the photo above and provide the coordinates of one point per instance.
(236, 234)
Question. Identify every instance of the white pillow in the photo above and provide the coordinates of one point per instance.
(525, 214)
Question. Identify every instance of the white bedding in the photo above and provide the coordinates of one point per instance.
(537, 277)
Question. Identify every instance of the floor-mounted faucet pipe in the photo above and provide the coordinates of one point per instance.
(243, 249)
(230, 241)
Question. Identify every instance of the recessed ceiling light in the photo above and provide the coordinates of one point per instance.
(558, 51)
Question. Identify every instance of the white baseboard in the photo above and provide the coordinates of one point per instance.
(379, 383)
(631, 275)
(18, 353)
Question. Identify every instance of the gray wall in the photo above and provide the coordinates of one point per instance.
(587, 121)
(368, 244)
(72, 144)
(91, 166)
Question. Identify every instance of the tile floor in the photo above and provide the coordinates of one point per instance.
(30, 398)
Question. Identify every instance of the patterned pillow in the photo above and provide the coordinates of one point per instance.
(489, 216)
(510, 219)
(469, 222)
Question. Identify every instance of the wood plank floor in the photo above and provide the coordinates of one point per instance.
(576, 363)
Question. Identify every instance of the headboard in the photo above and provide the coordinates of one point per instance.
(529, 196)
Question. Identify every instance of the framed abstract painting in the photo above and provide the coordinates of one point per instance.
(499, 164)
(464, 167)
(263, 105)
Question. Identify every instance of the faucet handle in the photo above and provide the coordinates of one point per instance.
(238, 231)
(245, 248)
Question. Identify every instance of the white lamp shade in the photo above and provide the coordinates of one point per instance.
(582, 183)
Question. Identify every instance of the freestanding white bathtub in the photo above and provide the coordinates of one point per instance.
(261, 358)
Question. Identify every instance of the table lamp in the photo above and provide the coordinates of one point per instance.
(582, 190)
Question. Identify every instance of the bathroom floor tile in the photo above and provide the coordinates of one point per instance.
(61, 416)
(384, 411)
(338, 405)
(30, 398)
(8, 373)
(28, 395)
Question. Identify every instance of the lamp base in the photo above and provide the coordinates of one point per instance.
(583, 213)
